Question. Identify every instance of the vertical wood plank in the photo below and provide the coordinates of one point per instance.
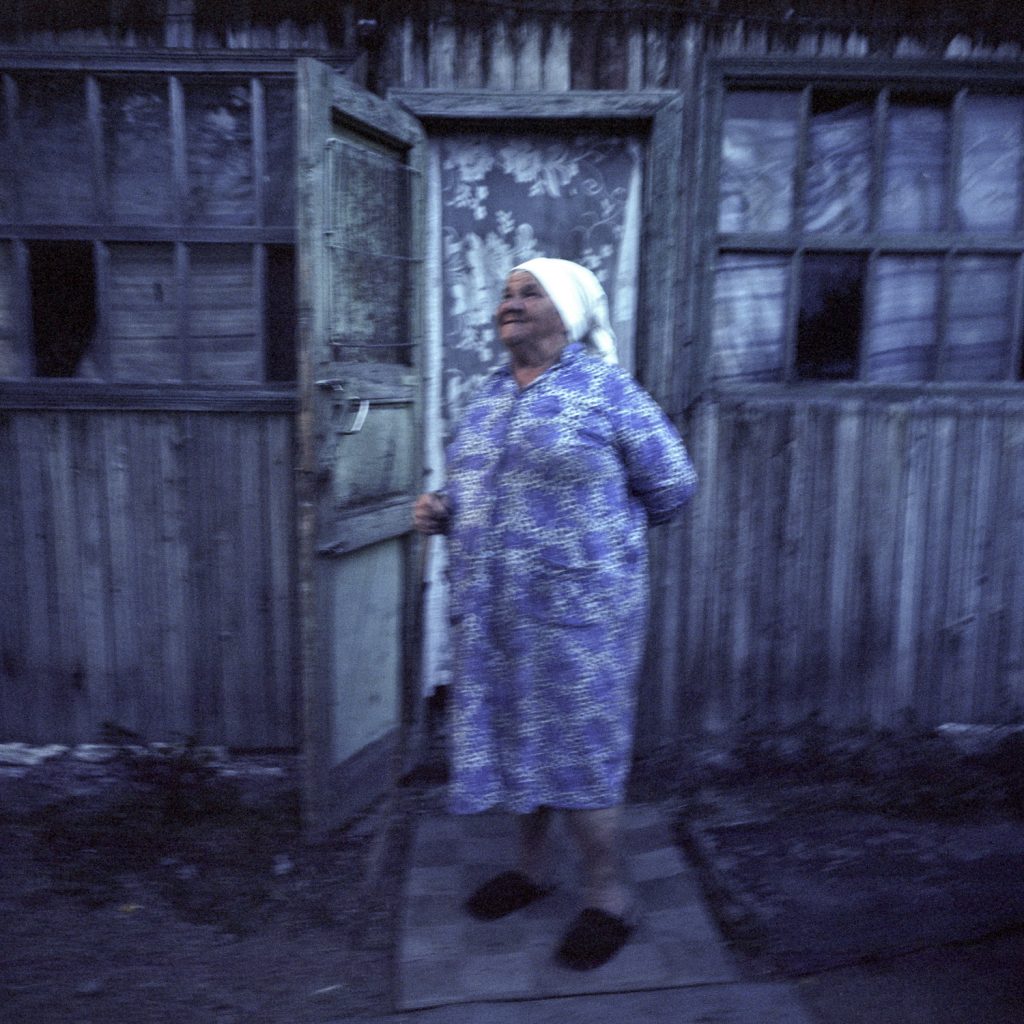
(96, 592)
(699, 641)
(884, 429)
(500, 56)
(67, 670)
(911, 561)
(937, 513)
(172, 499)
(815, 668)
(527, 47)
(844, 679)
(1010, 528)
(279, 534)
(36, 542)
(982, 598)
(16, 689)
(557, 45)
(442, 53)
(796, 532)
(469, 67)
(206, 712)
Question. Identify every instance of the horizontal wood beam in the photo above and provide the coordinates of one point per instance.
(944, 75)
(439, 104)
(150, 233)
(248, 62)
(53, 393)
(369, 526)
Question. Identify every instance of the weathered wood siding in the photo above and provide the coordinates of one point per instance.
(148, 576)
(856, 556)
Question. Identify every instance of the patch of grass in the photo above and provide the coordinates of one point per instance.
(168, 816)
(908, 772)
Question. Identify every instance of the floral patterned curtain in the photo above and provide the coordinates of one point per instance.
(508, 198)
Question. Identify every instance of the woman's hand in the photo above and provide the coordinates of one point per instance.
(431, 513)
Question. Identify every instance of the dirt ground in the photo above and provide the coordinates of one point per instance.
(882, 872)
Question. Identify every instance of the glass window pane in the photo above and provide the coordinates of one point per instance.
(137, 150)
(279, 193)
(759, 142)
(748, 328)
(914, 171)
(11, 362)
(142, 313)
(991, 163)
(223, 342)
(370, 269)
(839, 165)
(831, 314)
(979, 319)
(902, 321)
(218, 141)
(55, 146)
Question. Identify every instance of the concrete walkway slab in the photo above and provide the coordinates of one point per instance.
(739, 1003)
(446, 958)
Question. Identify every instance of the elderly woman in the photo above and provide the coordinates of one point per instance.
(558, 464)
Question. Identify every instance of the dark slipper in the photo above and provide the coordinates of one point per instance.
(503, 894)
(593, 939)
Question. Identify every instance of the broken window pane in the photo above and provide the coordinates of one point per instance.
(831, 315)
(991, 164)
(280, 312)
(279, 191)
(223, 342)
(142, 313)
(55, 147)
(902, 321)
(137, 144)
(839, 165)
(218, 130)
(749, 318)
(914, 172)
(759, 145)
(979, 319)
(11, 362)
(63, 302)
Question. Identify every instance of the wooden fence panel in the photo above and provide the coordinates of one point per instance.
(150, 576)
(858, 560)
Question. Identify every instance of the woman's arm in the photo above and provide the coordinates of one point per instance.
(658, 467)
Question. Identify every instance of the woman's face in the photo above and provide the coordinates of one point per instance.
(526, 315)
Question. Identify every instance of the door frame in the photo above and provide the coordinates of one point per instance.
(666, 295)
(663, 301)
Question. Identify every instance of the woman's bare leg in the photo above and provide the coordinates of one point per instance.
(598, 834)
(533, 845)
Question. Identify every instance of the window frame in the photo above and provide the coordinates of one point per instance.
(257, 69)
(881, 78)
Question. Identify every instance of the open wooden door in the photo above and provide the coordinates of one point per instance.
(360, 197)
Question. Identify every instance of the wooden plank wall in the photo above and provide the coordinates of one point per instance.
(148, 576)
(856, 558)
(859, 560)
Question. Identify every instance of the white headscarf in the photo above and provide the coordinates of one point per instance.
(580, 301)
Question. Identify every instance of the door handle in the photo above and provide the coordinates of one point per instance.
(360, 417)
